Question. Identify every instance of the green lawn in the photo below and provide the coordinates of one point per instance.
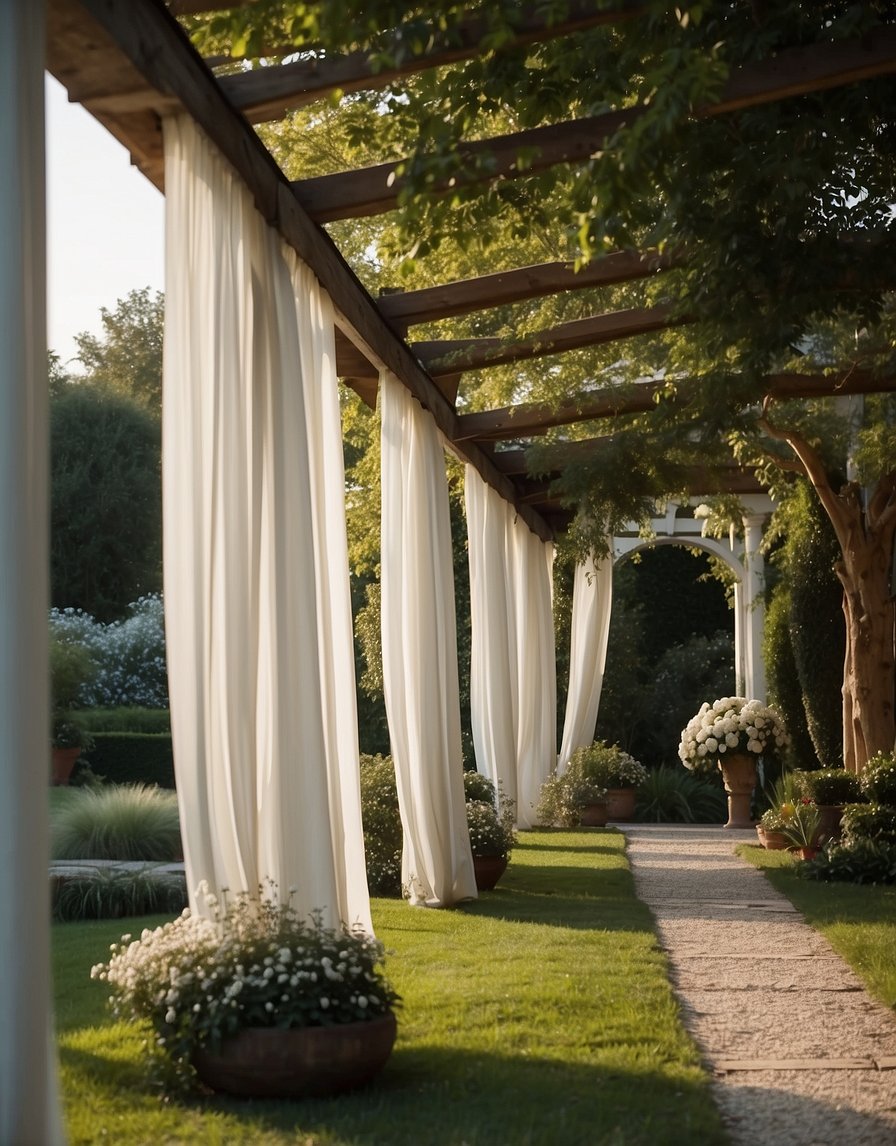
(858, 921)
(541, 1014)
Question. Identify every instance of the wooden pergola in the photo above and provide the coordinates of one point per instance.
(130, 64)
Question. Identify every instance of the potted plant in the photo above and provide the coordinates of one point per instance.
(734, 732)
(830, 789)
(71, 667)
(607, 766)
(770, 830)
(802, 827)
(571, 798)
(490, 822)
(256, 1001)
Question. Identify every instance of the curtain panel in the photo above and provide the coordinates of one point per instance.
(494, 699)
(419, 638)
(258, 629)
(592, 601)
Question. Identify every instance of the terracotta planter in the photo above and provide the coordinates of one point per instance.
(488, 870)
(594, 815)
(830, 822)
(773, 841)
(620, 803)
(310, 1062)
(739, 774)
(63, 761)
(808, 853)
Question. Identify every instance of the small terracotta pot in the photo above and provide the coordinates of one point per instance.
(594, 815)
(620, 803)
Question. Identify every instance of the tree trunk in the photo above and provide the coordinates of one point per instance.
(869, 680)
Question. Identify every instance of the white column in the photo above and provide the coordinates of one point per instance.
(28, 1100)
(753, 608)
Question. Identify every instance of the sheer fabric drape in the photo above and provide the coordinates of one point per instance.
(513, 692)
(256, 589)
(420, 653)
(592, 601)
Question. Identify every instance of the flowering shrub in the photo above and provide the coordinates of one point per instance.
(607, 766)
(731, 724)
(490, 816)
(252, 964)
(129, 655)
(562, 798)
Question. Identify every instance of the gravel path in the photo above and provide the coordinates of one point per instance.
(801, 1055)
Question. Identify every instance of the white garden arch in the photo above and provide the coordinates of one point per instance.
(741, 553)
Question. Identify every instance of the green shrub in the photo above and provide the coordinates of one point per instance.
(383, 833)
(869, 822)
(607, 766)
(879, 779)
(672, 795)
(829, 786)
(783, 682)
(133, 758)
(118, 822)
(115, 893)
(127, 718)
(858, 861)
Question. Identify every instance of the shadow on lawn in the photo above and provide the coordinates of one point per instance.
(444, 1097)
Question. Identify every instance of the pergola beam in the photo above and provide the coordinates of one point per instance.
(269, 93)
(453, 356)
(533, 419)
(408, 308)
(798, 71)
(117, 34)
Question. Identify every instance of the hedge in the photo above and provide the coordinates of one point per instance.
(133, 758)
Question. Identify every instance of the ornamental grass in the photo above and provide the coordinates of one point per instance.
(540, 1014)
(116, 822)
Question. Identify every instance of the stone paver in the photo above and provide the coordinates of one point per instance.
(801, 1055)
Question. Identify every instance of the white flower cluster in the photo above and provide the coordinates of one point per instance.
(254, 964)
(731, 724)
(129, 654)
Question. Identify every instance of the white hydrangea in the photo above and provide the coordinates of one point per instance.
(731, 724)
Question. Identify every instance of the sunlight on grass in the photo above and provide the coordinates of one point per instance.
(540, 1014)
(858, 920)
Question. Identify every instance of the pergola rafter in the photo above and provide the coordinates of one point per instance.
(130, 64)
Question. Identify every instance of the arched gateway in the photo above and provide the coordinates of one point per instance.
(679, 526)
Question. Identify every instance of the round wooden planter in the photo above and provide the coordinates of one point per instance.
(594, 815)
(488, 870)
(620, 803)
(310, 1062)
(739, 774)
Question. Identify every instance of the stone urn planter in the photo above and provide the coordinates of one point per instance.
(308, 1062)
(739, 774)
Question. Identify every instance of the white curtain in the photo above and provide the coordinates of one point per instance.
(256, 590)
(28, 1099)
(592, 600)
(493, 678)
(532, 564)
(420, 653)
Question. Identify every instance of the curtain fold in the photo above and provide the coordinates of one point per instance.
(592, 601)
(256, 624)
(420, 653)
(536, 734)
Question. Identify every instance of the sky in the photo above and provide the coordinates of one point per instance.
(105, 223)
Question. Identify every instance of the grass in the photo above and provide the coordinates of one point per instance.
(539, 1015)
(858, 920)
